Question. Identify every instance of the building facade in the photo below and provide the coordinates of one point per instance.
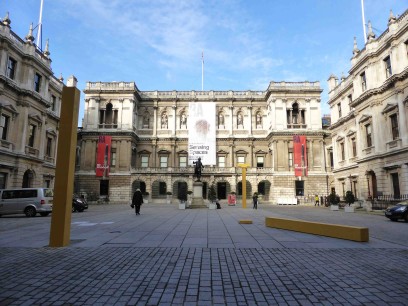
(148, 142)
(369, 110)
(30, 98)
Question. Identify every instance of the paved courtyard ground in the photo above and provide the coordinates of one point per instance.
(168, 256)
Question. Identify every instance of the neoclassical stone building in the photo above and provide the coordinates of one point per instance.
(144, 137)
(369, 111)
(30, 98)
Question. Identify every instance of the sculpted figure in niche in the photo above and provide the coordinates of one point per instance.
(146, 120)
(240, 119)
(183, 119)
(258, 119)
(164, 121)
(220, 119)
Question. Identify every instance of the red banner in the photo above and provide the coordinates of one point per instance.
(103, 158)
(300, 155)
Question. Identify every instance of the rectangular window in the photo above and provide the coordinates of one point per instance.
(290, 159)
(113, 157)
(339, 109)
(3, 180)
(47, 183)
(343, 156)
(221, 161)
(368, 135)
(241, 159)
(31, 135)
(163, 161)
(259, 161)
(394, 126)
(37, 82)
(48, 150)
(350, 99)
(363, 81)
(388, 70)
(354, 146)
(53, 102)
(145, 162)
(183, 161)
(11, 68)
(4, 126)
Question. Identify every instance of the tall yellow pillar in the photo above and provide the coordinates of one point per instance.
(65, 167)
(243, 167)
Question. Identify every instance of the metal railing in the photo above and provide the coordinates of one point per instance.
(387, 200)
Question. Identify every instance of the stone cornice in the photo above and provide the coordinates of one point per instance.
(389, 83)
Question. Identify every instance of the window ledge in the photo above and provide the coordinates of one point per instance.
(31, 151)
(6, 144)
(394, 144)
(368, 150)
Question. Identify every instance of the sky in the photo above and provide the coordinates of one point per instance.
(158, 44)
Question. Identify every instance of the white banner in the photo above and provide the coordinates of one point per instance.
(201, 133)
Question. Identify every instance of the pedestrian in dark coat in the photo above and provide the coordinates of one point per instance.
(137, 201)
(255, 200)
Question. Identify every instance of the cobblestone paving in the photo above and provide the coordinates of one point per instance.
(203, 276)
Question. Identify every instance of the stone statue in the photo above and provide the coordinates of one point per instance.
(198, 166)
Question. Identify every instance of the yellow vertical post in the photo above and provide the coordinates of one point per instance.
(65, 167)
(243, 167)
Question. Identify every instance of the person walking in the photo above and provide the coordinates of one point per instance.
(316, 200)
(255, 200)
(137, 201)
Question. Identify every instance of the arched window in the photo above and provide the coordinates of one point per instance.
(108, 117)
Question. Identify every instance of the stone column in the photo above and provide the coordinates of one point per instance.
(174, 127)
(231, 128)
(155, 120)
(250, 120)
(275, 155)
(402, 124)
(43, 135)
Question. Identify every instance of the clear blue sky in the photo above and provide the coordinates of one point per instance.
(158, 43)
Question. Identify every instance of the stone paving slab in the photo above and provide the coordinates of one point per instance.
(201, 257)
(211, 276)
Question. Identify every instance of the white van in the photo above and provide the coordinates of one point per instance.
(28, 201)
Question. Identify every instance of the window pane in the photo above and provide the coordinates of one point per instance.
(145, 162)
(37, 82)
(163, 161)
(183, 161)
(260, 161)
(31, 135)
(4, 124)
(241, 159)
(221, 161)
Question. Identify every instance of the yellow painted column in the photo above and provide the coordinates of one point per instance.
(65, 168)
(243, 167)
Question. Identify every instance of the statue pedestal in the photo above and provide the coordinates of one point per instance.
(198, 190)
(198, 201)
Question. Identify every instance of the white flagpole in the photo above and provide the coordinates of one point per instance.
(364, 27)
(39, 42)
(202, 71)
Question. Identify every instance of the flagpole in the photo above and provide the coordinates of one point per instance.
(364, 28)
(202, 71)
(39, 41)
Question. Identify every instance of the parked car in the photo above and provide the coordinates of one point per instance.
(79, 204)
(28, 201)
(400, 211)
